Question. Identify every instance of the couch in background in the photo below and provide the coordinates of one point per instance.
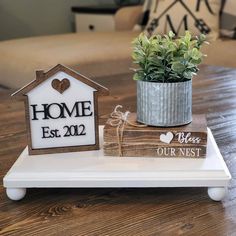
(93, 54)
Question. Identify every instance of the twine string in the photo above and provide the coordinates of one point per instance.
(119, 119)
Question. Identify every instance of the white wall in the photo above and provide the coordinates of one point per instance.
(25, 18)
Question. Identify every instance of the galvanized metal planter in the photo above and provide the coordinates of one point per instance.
(164, 104)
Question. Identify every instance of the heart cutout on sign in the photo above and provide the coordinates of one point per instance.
(61, 86)
(167, 138)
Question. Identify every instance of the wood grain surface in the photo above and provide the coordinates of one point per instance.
(151, 134)
(122, 211)
(185, 141)
(154, 150)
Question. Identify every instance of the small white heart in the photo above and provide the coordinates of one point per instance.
(166, 138)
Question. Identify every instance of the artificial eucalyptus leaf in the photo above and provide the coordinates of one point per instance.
(188, 75)
(166, 59)
(178, 67)
(136, 77)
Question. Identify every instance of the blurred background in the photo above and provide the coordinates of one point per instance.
(94, 36)
(25, 18)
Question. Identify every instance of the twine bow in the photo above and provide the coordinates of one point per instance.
(119, 119)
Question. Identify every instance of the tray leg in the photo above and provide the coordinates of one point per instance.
(217, 193)
(16, 194)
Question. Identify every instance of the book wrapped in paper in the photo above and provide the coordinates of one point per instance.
(126, 137)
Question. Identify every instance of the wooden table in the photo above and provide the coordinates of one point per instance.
(167, 211)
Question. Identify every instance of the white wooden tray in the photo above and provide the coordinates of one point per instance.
(93, 169)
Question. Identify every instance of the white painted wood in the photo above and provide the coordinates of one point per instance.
(44, 93)
(93, 169)
(94, 22)
(217, 194)
(16, 194)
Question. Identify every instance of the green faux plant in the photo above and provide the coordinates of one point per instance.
(166, 59)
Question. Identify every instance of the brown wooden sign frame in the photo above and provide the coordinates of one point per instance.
(42, 76)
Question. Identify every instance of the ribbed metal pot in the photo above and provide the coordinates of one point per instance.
(164, 104)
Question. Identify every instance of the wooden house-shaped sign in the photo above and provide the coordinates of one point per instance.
(61, 111)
